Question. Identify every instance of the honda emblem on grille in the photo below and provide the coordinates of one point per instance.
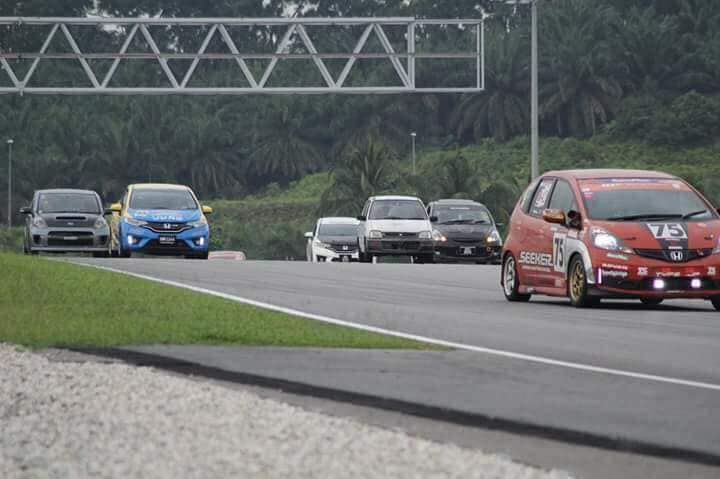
(677, 256)
(345, 247)
(167, 226)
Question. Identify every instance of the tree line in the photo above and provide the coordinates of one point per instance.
(636, 70)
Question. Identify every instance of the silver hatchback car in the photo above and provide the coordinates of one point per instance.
(66, 220)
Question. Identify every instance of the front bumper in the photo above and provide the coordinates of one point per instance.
(452, 251)
(139, 239)
(640, 277)
(400, 247)
(69, 239)
(325, 254)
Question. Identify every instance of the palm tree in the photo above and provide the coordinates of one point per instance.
(579, 74)
(367, 172)
(502, 111)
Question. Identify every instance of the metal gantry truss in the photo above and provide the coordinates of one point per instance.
(296, 34)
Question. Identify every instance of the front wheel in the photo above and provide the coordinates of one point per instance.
(578, 289)
(511, 282)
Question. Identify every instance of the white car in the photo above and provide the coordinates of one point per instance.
(395, 226)
(333, 239)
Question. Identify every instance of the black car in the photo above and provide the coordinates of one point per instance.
(465, 231)
(66, 220)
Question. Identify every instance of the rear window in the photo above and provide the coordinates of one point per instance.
(397, 210)
(160, 199)
(68, 203)
(628, 199)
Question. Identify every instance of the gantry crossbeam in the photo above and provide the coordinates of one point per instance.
(295, 38)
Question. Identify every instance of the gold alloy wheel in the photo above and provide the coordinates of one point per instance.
(577, 281)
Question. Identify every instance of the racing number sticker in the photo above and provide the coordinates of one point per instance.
(668, 231)
(559, 251)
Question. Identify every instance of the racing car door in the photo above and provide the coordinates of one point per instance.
(535, 256)
(563, 198)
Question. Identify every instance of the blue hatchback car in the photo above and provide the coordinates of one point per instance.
(160, 219)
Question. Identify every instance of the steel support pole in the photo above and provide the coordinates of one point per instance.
(413, 135)
(9, 210)
(534, 102)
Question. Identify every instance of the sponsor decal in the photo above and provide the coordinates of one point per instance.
(712, 271)
(617, 256)
(642, 271)
(668, 231)
(614, 274)
(615, 266)
(668, 274)
(558, 256)
(535, 258)
(534, 268)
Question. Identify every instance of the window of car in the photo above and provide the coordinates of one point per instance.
(68, 203)
(162, 199)
(528, 195)
(337, 230)
(541, 197)
(563, 197)
(462, 214)
(397, 210)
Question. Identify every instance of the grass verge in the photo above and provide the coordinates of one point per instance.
(46, 303)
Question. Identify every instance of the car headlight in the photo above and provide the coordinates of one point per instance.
(438, 236)
(38, 222)
(320, 244)
(494, 237)
(608, 241)
(375, 234)
(198, 223)
(100, 223)
(425, 235)
(132, 221)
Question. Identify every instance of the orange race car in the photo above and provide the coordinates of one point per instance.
(591, 234)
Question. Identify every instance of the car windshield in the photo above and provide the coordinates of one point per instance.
(338, 230)
(148, 199)
(469, 214)
(68, 203)
(624, 200)
(397, 210)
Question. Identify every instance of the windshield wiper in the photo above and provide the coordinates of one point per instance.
(644, 217)
(694, 213)
(454, 222)
(480, 222)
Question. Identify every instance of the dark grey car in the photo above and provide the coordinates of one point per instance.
(66, 220)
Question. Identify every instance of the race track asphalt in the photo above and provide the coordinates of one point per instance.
(464, 304)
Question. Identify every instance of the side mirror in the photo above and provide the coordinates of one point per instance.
(206, 210)
(362, 218)
(554, 216)
(499, 225)
(115, 208)
(309, 235)
(26, 210)
(433, 219)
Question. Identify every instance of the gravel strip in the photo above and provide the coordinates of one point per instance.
(85, 420)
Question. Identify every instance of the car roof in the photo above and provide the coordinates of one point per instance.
(395, 197)
(451, 201)
(67, 190)
(339, 220)
(158, 186)
(601, 173)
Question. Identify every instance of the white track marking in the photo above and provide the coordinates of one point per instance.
(415, 337)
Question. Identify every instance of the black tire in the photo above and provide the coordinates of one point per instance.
(716, 302)
(578, 290)
(651, 301)
(510, 281)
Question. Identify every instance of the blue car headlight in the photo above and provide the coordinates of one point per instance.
(199, 223)
(132, 221)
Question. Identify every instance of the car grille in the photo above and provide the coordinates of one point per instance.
(58, 238)
(69, 221)
(400, 235)
(167, 227)
(344, 248)
(666, 254)
(402, 245)
(470, 241)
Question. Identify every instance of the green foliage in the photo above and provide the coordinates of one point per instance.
(11, 240)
